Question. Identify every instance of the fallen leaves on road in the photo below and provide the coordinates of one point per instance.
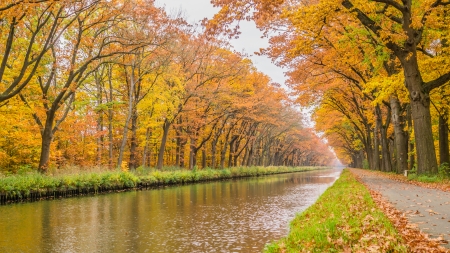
(443, 186)
(416, 240)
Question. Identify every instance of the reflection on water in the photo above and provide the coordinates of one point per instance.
(227, 216)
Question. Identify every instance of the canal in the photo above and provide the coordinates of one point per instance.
(224, 216)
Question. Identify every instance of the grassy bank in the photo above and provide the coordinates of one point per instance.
(344, 218)
(33, 185)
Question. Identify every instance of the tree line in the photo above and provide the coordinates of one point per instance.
(376, 72)
(123, 84)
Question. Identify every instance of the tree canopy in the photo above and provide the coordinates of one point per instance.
(123, 84)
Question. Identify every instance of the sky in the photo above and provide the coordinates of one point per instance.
(249, 41)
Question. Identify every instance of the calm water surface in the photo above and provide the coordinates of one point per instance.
(229, 216)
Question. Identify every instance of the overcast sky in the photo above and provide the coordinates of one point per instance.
(250, 40)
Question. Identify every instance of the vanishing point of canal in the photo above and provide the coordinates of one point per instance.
(224, 216)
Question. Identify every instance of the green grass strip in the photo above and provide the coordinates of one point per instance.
(22, 186)
(344, 219)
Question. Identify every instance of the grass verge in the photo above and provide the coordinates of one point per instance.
(35, 185)
(344, 219)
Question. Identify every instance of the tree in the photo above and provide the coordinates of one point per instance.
(405, 29)
(94, 36)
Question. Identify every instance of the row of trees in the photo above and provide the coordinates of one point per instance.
(120, 83)
(376, 71)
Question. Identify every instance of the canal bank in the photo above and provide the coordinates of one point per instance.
(35, 186)
(350, 218)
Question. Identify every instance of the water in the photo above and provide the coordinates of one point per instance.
(227, 216)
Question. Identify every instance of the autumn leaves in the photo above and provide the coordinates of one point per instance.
(120, 83)
(379, 68)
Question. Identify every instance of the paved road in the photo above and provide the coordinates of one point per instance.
(428, 208)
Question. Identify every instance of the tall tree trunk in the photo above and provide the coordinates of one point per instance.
(244, 159)
(401, 140)
(203, 158)
(387, 166)
(110, 120)
(250, 154)
(100, 138)
(213, 153)
(177, 151)
(235, 152)
(360, 159)
(128, 119)
(47, 137)
(412, 157)
(110, 139)
(162, 148)
(376, 148)
(443, 140)
(133, 145)
(148, 135)
(192, 154)
(263, 153)
(368, 148)
(183, 142)
(230, 154)
(222, 154)
(392, 153)
(420, 112)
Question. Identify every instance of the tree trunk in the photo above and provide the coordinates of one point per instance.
(260, 161)
(401, 140)
(162, 148)
(385, 151)
(128, 119)
(376, 148)
(412, 157)
(368, 148)
(443, 140)
(230, 154)
(148, 135)
(244, 159)
(100, 138)
(387, 166)
(177, 151)
(203, 158)
(359, 159)
(192, 154)
(110, 139)
(222, 155)
(132, 163)
(421, 116)
(213, 153)
(250, 153)
(47, 137)
(183, 142)
(110, 120)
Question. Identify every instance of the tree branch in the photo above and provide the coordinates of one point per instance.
(429, 86)
(393, 4)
